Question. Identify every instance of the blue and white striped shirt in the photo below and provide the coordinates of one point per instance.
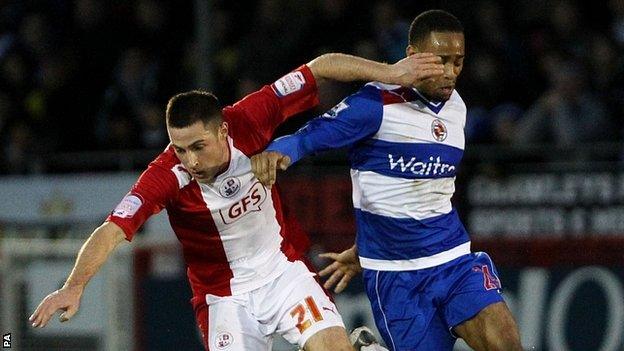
(404, 154)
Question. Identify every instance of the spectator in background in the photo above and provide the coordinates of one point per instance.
(568, 31)
(337, 24)
(6, 111)
(488, 85)
(57, 97)
(616, 7)
(226, 60)
(163, 41)
(495, 126)
(20, 151)
(36, 34)
(607, 77)
(604, 64)
(95, 45)
(122, 130)
(54, 65)
(489, 93)
(567, 113)
(498, 52)
(504, 118)
(153, 135)
(151, 21)
(16, 75)
(276, 35)
(189, 62)
(136, 77)
(390, 30)
(136, 84)
(88, 41)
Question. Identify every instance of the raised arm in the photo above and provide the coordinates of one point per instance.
(409, 72)
(91, 257)
(255, 118)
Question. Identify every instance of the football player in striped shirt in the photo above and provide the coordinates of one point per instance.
(425, 285)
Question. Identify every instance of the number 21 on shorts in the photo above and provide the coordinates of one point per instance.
(299, 313)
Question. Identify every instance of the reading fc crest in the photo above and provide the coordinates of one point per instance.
(438, 129)
(229, 186)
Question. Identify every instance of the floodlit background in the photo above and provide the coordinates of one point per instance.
(83, 86)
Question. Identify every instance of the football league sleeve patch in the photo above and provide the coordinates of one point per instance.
(296, 92)
(254, 119)
(289, 84)
(128, 206)
(147, 197)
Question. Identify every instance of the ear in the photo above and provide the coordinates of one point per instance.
(411, 50)
(223, 130)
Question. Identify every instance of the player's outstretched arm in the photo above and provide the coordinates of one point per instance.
(346, 265)
(91, 257)
(409, 72)
(265, 164)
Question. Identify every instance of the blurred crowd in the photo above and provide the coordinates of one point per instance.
(87, 75)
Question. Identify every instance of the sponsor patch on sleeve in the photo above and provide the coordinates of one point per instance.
(128, 206)
(288, 84)
(333, 113)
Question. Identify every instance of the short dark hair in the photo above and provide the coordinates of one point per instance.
(433, 21)
(188, 108)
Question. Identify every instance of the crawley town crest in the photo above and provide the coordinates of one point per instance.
(229, 186)
(224, 340)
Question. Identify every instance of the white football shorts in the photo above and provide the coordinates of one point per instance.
(294, 305)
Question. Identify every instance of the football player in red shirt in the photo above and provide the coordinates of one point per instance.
(242, 250)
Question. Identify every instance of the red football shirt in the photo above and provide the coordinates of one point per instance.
(235, 234)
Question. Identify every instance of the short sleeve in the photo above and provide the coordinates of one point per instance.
(154, 189)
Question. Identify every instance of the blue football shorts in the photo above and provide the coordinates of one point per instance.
(417, 310)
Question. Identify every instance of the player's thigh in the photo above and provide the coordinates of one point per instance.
(231, 327)
(493, 328)
(329, 339)
(307, 310)
(404, 310)
(475, 285)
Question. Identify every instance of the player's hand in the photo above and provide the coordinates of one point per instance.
(66, 299)
(264, 166)
(416, 69)
(346, 265)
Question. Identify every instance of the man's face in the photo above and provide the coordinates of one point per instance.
(450, 47)
(203, 149)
